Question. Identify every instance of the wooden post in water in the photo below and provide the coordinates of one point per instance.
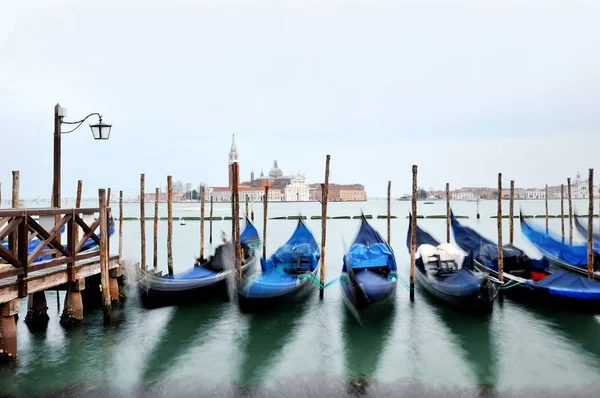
(478, 215)
(108, 197)
(265, 207)
(499, 215)
(447, 212)
(247, 200)
(202, 222)
(78, 205)
(120, 225)
(210, 221)
(546, 195)
(413, 233)
(233, 208)
(155, 230)
(570, 212)
(562, 211)
(0, 194)
(236, 220)
(511, 213)
(590, 237)
(142, 223)
(324, 201)
(252, 209)
(104, 282)
(170, 224)
(389, 213)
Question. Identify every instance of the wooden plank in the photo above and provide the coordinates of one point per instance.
(49, 237)
(8, 256)
(12, 271)
(89, 232)
(10, 227)
(44, 212)
(4, 220)
(10, 213)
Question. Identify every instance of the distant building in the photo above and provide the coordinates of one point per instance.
(340, 192)
(297, 189)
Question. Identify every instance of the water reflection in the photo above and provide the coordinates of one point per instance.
(180, 335)
(364, 345)
(268, 333)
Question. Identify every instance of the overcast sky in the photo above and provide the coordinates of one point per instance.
(464, 89)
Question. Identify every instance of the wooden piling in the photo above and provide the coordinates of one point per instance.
(546, 195)
(155, 248)
(389, 213)
(16, 183)
(236, 220)
(108, 198)
(210, 221)
(170, 224)
(78, 205)
(511, 210)
(562, 211)
(104, 282)
(413, 233)
(142, 223)
(324, 201)
(265, 208)
(447, 212)
(247, 200)
(252, 209)
(590, 237)
(478, 215)
(233, 233)
(499, 221)
(202, 222)
(570, 211)
(120, 225)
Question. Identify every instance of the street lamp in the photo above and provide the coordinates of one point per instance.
(100, 131)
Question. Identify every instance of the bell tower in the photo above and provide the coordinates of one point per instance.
(233, 158)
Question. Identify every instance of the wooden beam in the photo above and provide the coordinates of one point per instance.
(8, 256)
(49, 238)
(10, 227)
(89, 232)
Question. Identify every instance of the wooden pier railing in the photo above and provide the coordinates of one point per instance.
(19, 257)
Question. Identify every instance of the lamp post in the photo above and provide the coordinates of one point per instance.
(100, 131)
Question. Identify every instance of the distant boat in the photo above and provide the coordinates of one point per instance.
(369, 270)
(182, 222)
(445, 273)
(285, 275)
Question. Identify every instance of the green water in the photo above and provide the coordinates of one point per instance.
(211, 349)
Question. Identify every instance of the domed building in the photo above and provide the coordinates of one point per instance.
(275, 172)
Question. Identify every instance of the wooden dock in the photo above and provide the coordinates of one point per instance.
(34, 259)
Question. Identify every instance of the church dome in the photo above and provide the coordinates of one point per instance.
(275, 172)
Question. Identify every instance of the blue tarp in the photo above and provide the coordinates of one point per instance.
(565, 284)
(552, 245)
(369, 249)
(301, 244)
(249, 235)
(486, 251)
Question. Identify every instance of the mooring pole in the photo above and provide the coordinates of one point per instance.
(324, 200)
(170, 224)
(247, 200)
(389, 213)
(265, 207)
(511, 213)
(78, 205)
(413, 233)
(499, 215)
(108, 197)
(238, 245)
(104, 282)
(120, 225)
(478, 215)
(447, 212)
(202, 222)
(252, 209)
(155, 243)
(16, 183)
(142, 222)
(546, 196)
(570, 211)
(590, 237)
(233, 234)
(562, 212)
(210, 221)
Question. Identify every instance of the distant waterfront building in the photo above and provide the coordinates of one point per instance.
(297, 190)
(339, 192)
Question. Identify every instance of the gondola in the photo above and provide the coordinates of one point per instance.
(286, 276)
(34, 243)
(445, 273)
(570, 257)
(369, 278)
(206, 279)
(527, 278)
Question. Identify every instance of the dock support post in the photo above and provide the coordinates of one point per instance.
(324, 201)
(590, 237)
(170, 224)
(113, 285)
(499, 220)
(570, 211)
(142, 223)
(389, 213)
(8, 330)
(562, 212)
(413, 233)
(104, 278)
(73, 308)
(511, 211)
(447, 212)
(37, 311)
(202, 222)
